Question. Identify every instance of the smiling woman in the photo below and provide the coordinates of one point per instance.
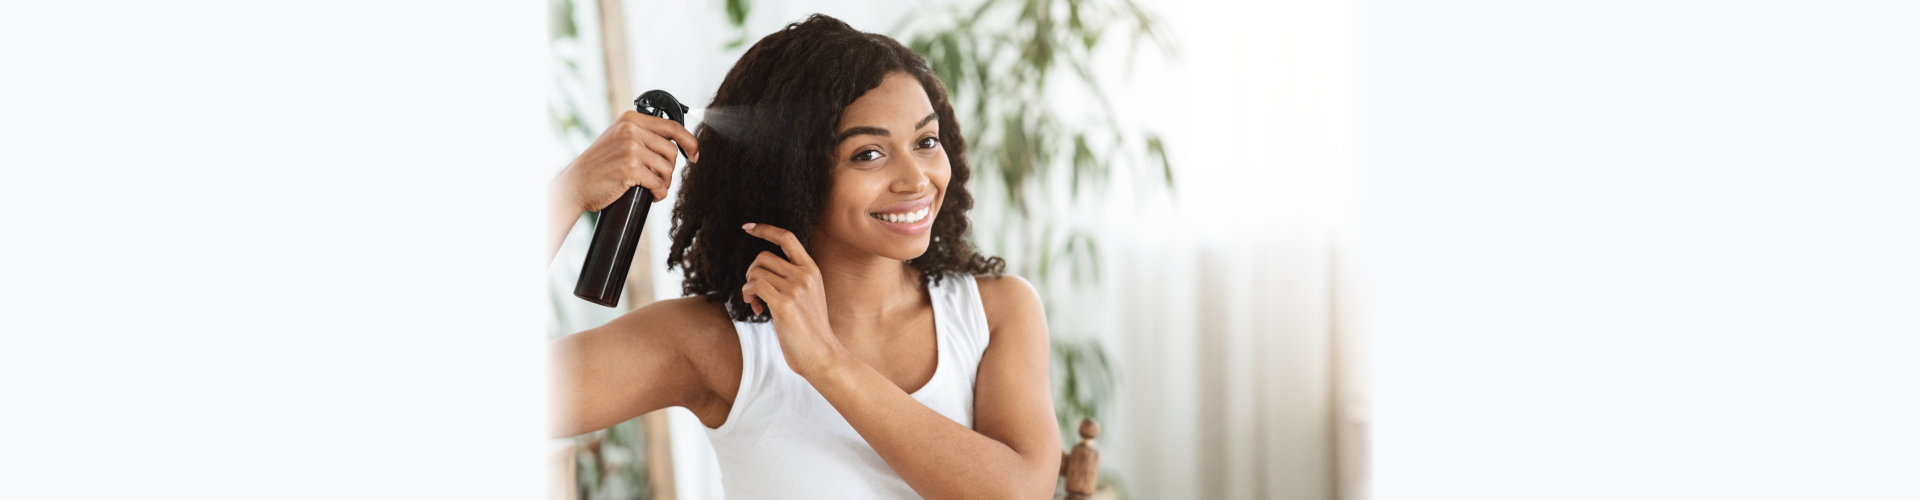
(841, 337)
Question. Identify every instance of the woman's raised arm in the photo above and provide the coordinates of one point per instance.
(635, 364)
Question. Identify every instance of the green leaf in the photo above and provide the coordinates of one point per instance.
(979, 11)
(1018, 154)
(1046, 252)
(737, 12)
(1083, 161)
(921, 45)
(1093, 258)
(1158, 149)
(1039, 142)
(563, 25)
(951, 66)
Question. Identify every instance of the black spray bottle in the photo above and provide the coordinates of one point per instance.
(617, 234)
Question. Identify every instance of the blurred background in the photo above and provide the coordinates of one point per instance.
(1300, 249)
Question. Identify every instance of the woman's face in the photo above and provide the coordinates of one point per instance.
(890, 173)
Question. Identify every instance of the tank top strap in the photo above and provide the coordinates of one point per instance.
(958, 298)
(759, 349)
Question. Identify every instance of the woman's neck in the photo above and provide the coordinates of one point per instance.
(865, 292)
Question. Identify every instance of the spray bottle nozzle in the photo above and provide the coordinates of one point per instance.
(662, 104)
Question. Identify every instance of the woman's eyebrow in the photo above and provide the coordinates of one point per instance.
(880, 131)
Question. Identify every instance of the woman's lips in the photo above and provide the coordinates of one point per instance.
(905, 206)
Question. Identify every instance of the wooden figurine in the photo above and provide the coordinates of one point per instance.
(1082, 465)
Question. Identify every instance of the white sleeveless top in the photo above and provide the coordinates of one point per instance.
(782, 439)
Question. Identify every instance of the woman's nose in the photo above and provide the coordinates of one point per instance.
(913, 176)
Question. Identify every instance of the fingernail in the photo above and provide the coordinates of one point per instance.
(749, 226)
(696, 157)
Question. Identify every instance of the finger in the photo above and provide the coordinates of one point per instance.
(771, 285)
(673, 130)
(661, 170)
(774, 264)
(661, 145)
(669, 158)
(747, 295)
(766, 292)
(644, 170)
(796, 252)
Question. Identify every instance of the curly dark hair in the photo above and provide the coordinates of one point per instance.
(767, 155)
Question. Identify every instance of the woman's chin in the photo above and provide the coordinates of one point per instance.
(909, 252)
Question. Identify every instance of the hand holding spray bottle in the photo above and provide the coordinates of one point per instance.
(617, 234)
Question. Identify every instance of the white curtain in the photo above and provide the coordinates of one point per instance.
(1223, 317)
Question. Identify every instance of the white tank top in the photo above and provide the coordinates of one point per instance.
(782, 439)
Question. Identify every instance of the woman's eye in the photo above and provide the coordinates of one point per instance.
(929, 143)
(868, 155)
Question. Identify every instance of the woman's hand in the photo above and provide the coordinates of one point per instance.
(634, 151)
(793, 292)
(637, 150)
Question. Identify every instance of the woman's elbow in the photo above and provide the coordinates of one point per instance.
(1036, 478)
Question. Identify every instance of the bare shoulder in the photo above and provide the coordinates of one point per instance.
(687, 316)
(1010, 300)
(680, 323)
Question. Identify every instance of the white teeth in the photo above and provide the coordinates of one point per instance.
(904, 218)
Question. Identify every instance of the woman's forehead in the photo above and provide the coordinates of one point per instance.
(898, 103)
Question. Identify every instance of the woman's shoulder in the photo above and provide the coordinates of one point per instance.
(701, 327)
(1008, 298)
(690, 318)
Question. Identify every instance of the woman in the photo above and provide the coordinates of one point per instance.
(835, 341)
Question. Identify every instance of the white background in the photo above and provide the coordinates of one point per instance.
(1641, 249)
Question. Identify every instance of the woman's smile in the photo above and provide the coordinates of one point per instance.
(911, 218)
